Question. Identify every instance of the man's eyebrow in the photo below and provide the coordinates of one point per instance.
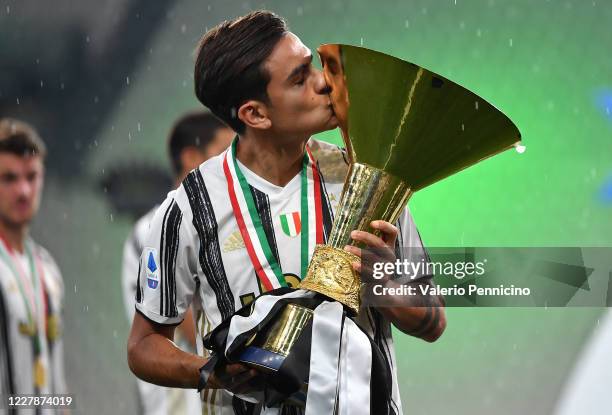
(300, 68)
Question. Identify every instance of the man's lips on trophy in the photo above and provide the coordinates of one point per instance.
(331, 109)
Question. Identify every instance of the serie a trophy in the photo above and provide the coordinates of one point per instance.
(404, 128)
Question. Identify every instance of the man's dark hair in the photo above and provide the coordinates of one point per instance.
(196, 129)
(229, 66)
(20, 139)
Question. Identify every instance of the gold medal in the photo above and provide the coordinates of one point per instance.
(53, 329)
(39, 374)
(27, 329)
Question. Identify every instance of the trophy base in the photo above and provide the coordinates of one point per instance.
(279, 355)
(269, 363)
(262, 359)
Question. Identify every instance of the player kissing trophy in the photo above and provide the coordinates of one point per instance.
(404, 128)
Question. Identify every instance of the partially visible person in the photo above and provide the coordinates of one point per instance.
(194, 139)
(31, 286)
(587, 388)
(247, 221)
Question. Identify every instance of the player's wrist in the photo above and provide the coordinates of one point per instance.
(206, 375)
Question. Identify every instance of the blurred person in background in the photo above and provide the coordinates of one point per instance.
(31, 286)
(587, 388)
(194, 139)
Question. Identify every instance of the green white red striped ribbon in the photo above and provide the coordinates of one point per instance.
(249, 222)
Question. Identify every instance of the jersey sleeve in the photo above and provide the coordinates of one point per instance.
(168, 265)
(409, 246)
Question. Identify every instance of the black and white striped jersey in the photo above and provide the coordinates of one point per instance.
(154, 399)
(194, 252)
(18, 360)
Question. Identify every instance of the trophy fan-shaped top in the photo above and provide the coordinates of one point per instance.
(408, 121)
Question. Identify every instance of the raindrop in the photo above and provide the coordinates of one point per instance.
(62, 85)
(478, 32)
(361, 42)
(112, 219)
(127, 80)
(510, 42)
(476, 105)
(138, 127)
(41, 83)
(129, 136)
(8, 9)
(115, 334)
(209, 7)
(608, 110)
(87, 39)
(17, 101)
(95, 143)
(183, 28)
(462, 127)
(455, 2)
(406, 23)
(96, 99)
(75, 290)
(300, 11)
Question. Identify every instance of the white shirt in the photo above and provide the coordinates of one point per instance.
(17, 359)
(194, 252)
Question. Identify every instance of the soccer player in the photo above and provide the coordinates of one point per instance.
(194, 138)
(31, 287)
(257, 77)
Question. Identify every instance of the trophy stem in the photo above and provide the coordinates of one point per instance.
(369, 194)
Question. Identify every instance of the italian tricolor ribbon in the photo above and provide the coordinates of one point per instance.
(249, 222)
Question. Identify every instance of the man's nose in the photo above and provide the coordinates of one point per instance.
(24, 187)
(321, 86)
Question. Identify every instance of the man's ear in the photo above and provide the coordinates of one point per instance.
(254, 114)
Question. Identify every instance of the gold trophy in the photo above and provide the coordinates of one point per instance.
(404, 128)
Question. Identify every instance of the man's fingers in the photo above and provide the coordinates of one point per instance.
(232, 370)
(253, 383)
(353, 250)
(388, 231)
(368, 238)
(248, 382)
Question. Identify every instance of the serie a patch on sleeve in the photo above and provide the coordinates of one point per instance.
(151, 262)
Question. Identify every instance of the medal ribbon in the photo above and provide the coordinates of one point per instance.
(25, 285)
(249, 223)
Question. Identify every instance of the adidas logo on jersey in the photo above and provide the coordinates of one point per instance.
(234, 242)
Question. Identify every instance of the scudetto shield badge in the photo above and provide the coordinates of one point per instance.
(291, 223)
